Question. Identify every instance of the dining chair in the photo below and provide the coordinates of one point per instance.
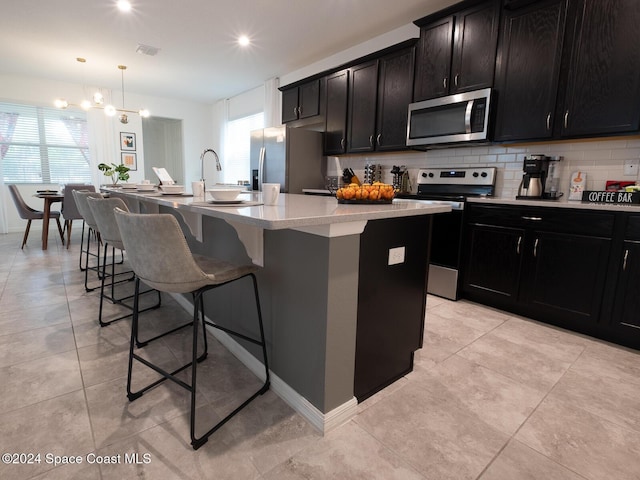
(161, 258)
(102, 210)
(70, 212)
(29, 214)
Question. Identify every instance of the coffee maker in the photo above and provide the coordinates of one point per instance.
(540, 178)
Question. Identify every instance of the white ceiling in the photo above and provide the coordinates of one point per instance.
(199, 58)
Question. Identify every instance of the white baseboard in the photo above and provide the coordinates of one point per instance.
(323, 422)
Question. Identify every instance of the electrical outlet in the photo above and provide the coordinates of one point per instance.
(396, 255)
(631, 167)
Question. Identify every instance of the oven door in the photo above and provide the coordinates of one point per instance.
(444, 263)
(446, 240)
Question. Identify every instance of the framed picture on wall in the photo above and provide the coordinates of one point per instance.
(129, 160)
(128, 141)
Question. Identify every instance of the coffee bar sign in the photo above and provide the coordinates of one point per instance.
(611, 197)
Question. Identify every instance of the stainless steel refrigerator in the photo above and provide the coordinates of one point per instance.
(291, 157)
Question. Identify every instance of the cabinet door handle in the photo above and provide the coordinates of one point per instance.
(549, 121)
(518, 246)
(566, 119)
(444, 82)
(535, 248)
(535, 219)
(378, 138)
(371, 141)
(624, 262)
(455, 80)
(263, 153)
(342, 144)
(300, 111)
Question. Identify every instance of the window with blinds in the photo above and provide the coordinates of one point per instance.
(237, 146)
(43, 145)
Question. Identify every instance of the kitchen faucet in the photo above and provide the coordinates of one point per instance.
(218, 166)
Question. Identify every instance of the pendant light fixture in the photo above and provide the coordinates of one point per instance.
(98, 101)
(123, 116)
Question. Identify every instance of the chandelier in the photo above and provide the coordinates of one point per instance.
(97, 101)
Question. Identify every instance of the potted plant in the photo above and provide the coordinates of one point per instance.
(116, 172)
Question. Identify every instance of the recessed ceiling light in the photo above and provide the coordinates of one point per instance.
(124, 5)
(243, 40)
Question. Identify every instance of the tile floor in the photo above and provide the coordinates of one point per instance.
(492, 397)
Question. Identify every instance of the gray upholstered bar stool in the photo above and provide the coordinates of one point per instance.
(70, 212)
(102, 210)
(93, 232)
(166, 263)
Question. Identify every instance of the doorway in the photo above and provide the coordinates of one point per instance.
(162, 143)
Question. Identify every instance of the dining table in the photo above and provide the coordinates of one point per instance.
(48, 198)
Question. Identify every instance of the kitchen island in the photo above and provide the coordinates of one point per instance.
(342, 288)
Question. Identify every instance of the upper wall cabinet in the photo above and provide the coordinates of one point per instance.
(529, 69)
(337, 88)
(457, 53)
(379, 97)
(602, 92)
(300, 102)
(395, 81)
(559, 78)
(361, 125)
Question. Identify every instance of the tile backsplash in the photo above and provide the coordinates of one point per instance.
(602, 159)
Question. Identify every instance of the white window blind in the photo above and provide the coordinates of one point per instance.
(236, 162)
(43, 145)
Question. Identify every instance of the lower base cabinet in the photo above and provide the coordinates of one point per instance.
(574, 268)
(493, 263)
(566, 279)
(626, 313)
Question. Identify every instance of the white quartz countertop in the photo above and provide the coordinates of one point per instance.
(561, 203)
(292, 210)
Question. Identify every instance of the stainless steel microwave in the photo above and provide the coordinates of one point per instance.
(463, 117)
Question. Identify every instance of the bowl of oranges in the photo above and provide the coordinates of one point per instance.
(376, 193)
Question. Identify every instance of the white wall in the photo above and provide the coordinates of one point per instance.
(370, 46)
(197, 121)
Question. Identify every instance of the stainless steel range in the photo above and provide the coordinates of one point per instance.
(452, 186)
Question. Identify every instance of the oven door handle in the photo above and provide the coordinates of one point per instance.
(467, 116)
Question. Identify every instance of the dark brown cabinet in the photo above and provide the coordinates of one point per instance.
(493, 263)
(574, 268)
(626, 318)
(529, 56)
(395, 83)
(569, 68)
(549, 264)
(457, 53)
(433, 60)
(566, 279)
(337, 88)
(363, 88)
(301, 102)
(379, 97)
(602, 94)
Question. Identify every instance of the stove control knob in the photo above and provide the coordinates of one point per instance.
(475, 174)
(424, 175)
(431, 175)
(483, 174)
